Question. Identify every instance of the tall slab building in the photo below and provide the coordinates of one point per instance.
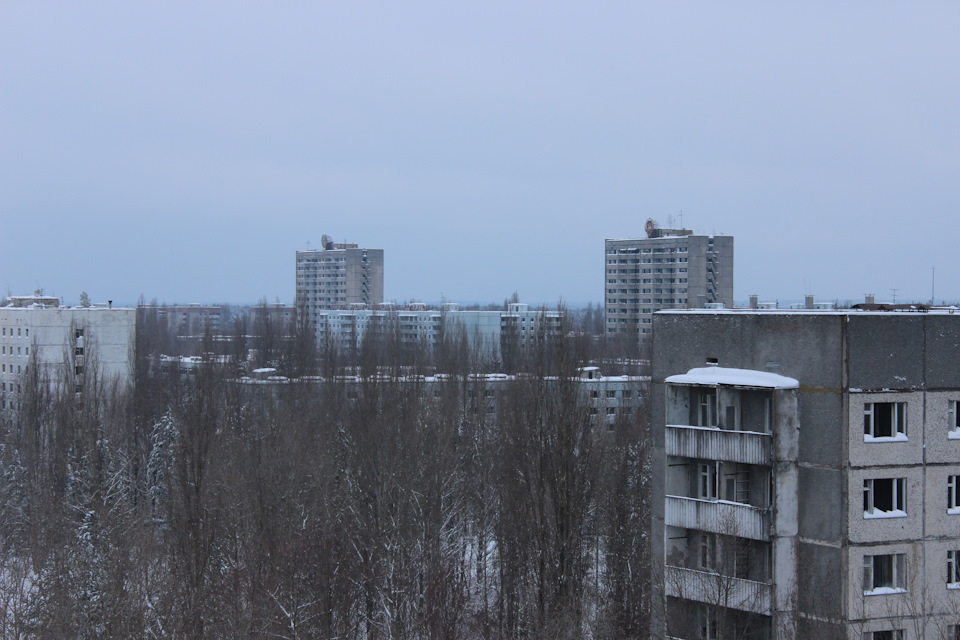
(669, 269)
(336, 276)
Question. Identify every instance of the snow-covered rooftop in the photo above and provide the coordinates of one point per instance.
(734, 377)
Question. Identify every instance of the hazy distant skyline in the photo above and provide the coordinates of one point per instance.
(185, 151)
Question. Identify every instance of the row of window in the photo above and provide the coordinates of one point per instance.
(887, 573)
(631, 250)
(887, 421)
(315, 260)
(20, 334)
(887, 497)
(3, 350)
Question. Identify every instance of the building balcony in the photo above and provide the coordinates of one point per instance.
(718, 516)
(709, 443)
(719, 590)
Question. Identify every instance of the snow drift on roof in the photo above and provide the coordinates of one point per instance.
(735, 377)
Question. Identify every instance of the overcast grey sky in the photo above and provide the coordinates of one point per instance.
(185, 151)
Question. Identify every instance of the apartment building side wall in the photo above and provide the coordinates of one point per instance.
(850, 366)
(63, 341)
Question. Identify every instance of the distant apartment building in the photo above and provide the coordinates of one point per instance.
(490, 331)
(337, 276)
(71, 346)
(191, 320)
(669, 269)
(807, 473)
(279, 316)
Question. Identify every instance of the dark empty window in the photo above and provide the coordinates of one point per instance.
(884, 419)
(884, 497)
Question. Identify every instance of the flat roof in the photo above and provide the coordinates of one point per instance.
(820, 312)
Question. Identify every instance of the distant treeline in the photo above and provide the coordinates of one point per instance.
(200, 507)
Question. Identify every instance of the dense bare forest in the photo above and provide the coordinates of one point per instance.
(369, 505)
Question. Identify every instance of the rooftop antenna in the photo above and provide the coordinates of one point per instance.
(894, 295)
(933, 285)
(681, 218)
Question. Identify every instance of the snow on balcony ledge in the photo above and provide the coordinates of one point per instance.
(884, 591)
(714, 376)
(900, 437)
(953, 511)
(954, 435)
(877, 514)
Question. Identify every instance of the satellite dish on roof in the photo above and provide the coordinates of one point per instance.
(650, 226)
(326, 241)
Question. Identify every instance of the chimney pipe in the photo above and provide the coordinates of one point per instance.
(754, 301)
(808, 302)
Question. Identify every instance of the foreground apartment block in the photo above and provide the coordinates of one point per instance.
(72, 346)
(808, 473)
(669, 269)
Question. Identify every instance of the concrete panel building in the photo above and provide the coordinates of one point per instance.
(73, 346)
(336, 276)
(491, 331)
(669, 269)
(807, 473)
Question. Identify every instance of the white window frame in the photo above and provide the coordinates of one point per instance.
(898, 422)
(707, 481)
(707, 408)
(708, 623)
(953, 420)
(899, 498)
(898, 577)
(953, 495)
(708, 551)
(953, 569)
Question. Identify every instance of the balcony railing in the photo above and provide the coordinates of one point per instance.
(718, 516)
(709, 443)
(718, 590)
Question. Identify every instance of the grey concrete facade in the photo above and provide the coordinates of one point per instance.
(669, 269)
(75, 346)
(336, 277)
(490, 331)
(875, 469)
